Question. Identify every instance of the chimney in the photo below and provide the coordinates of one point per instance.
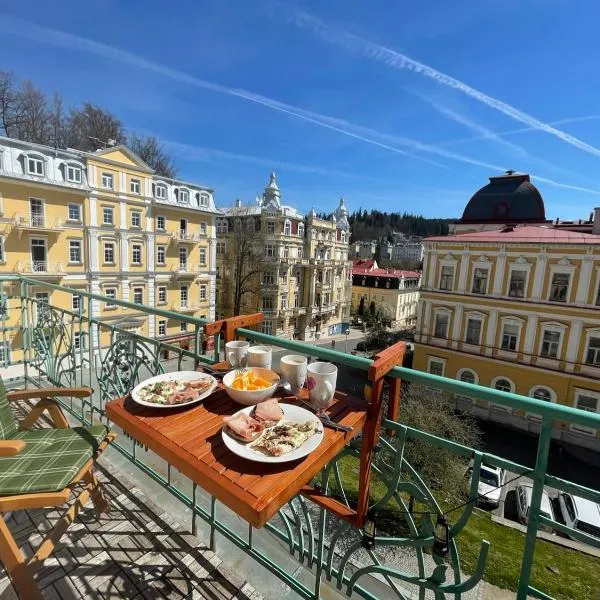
(596, 223)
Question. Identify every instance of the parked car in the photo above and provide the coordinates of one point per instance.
(523, 496)
(580, 514)
(489, 488)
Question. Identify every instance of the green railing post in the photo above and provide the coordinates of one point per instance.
(24, 287)
(539, 479)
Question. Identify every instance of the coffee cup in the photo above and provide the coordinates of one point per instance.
(260, 356)
(293, 369)
(237, 353)
(321, 382)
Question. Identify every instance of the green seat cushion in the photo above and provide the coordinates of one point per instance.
(50, 459)
(7, 421)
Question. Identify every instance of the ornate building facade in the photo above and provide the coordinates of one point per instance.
(295, 268)
(103, 222)
(515, 307)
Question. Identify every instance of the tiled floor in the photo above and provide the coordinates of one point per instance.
(134, 553)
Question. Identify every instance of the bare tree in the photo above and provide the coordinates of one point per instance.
(9, 104)
(152, 152)
(92, 127)
(57, 123)
(33, 124)
(243, 261)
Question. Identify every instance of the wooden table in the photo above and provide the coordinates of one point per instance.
(190, 440)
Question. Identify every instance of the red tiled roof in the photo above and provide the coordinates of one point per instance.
(387, 273)
(527, 234)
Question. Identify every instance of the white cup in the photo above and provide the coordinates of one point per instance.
(322, 378)
(260, 356)
(236, 353)
(293, 369)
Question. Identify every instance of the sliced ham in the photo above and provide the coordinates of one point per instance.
(268, 412)
(186, 395)
(244, 427)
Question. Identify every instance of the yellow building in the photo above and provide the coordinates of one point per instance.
(104, 222)
(391, 294)
(515, 308)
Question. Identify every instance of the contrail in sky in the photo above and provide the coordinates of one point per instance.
(39, 34)
(397, 60)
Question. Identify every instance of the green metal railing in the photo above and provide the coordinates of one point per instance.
(51, 354)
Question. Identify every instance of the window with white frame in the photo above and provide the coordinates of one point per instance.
(300, 252)
(287, 228)
(268, 278)
(74, 174)
(436, 366)
(78, 343)
(2, 255)
(588, 401)
(480, 280)
(75, 302)
(183, 196)
(473, 334)
(202, 257)
(592, 353)
(107, 181)
(286, 252)
(75, 251)
(110, 293)
(517, 282)
(269, 250)
(220, 248)
(301, 230)
(203, 291)
(183, 256)
(283, 301)
(268, 303)
(161, 254)
(136, 254)
(74, 212)
(162, 327)
(183, 296)
(267, 327)
(160, 191)
(35, 166)
(4, 353)
(160, 223)
(222, 226)
(271, 227)
(447, 278)
(510, 336)
(203, 200)
(559, 287)
(202, 227)
(138, 295)
(503, 385)
(440, 330)
(550, 343)
(541, 393)
(108, 215)
(134, 186)
(162, 294)
(183, 326)
(136, 219)
(467, 376)
(109, 253)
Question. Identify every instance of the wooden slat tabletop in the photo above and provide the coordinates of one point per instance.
(190, 440)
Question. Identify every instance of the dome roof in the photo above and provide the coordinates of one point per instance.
(509, 198)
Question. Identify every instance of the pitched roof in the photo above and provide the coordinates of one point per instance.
(527, 234)
(393, 273)
(363, 264)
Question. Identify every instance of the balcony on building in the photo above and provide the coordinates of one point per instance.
(183, 236)
(183, 270)
(37, 223)
(40, 268)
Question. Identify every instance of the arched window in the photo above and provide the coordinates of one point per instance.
(504, 385)
(542, 394)
(467, 376)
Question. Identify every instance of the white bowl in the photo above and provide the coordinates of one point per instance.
(250, 397)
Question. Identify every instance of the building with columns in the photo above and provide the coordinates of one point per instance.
(104, 222)
(302, 278)
(514, 306)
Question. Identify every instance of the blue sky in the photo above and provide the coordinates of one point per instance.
(394, 105)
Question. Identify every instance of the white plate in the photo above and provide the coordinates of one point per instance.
(293, 413)
(175, 376)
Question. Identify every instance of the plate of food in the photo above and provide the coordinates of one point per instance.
(171, 390)
(272, 433)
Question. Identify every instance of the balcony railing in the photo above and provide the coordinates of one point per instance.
(329, 549)
(36, 222)
(40, 267)
(185, 236)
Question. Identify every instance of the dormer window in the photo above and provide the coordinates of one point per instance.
(160, 191)
(183, 196)
(202, 200)
(35, 166)
(74, 173)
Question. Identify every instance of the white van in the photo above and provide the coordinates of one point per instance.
(580, 514)
(523, 495)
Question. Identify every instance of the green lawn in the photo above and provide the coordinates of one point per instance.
(574, 575)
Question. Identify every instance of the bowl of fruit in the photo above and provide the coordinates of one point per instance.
(250, 386)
